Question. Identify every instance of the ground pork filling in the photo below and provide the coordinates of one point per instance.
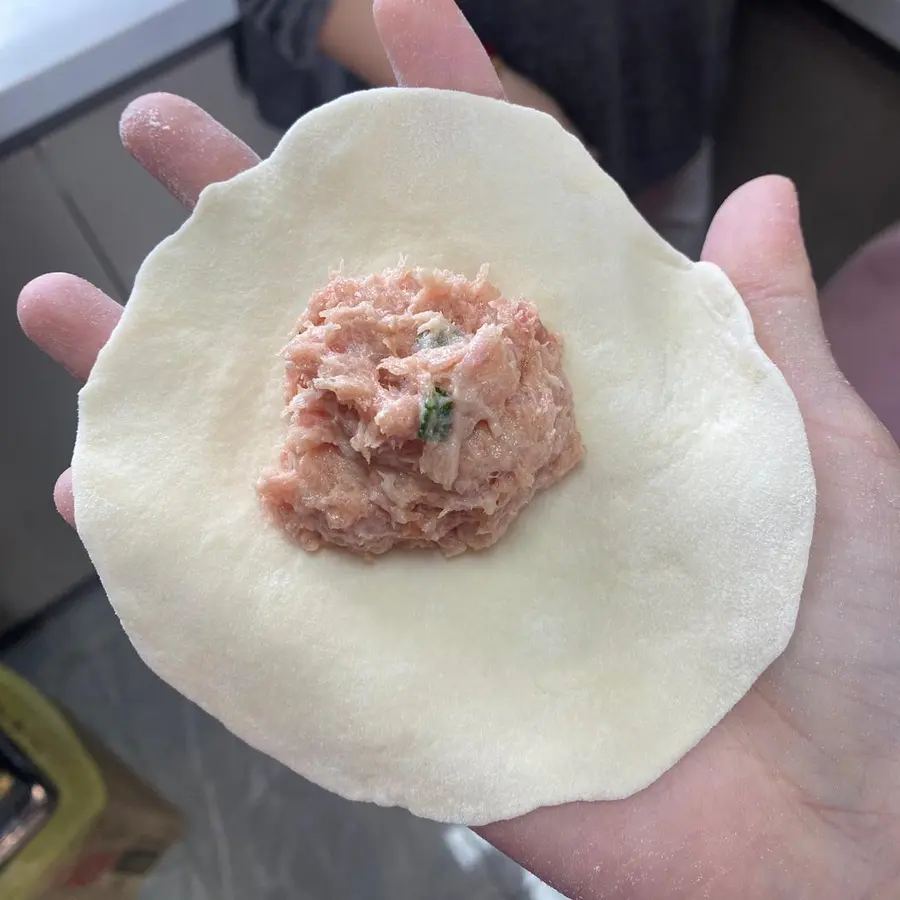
(422, 410)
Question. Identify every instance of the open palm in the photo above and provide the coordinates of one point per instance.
(797, 792)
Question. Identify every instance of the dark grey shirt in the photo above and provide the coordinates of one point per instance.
(640, 79)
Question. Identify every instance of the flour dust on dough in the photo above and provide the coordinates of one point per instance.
(626, 610)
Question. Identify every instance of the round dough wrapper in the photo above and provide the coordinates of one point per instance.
(629, 607)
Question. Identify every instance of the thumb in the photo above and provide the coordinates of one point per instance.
(755, 238)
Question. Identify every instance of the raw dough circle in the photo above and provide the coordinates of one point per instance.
(628, 608)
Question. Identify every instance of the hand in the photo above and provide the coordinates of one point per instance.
(522, 92)
(797, 792)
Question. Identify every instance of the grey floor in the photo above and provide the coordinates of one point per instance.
(255, 829)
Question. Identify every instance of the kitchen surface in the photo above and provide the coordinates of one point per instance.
(55, 56)
(815, 94)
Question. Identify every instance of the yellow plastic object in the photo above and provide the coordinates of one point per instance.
(41, 732)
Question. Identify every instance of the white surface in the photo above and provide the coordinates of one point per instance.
(630, 607)
(881, 17)
(56, 53)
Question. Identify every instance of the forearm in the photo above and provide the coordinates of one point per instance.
(349, 36)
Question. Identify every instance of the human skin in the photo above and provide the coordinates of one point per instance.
(796, 793)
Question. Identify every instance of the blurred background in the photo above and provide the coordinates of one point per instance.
(809, 89)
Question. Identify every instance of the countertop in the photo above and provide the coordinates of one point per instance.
(54, 55)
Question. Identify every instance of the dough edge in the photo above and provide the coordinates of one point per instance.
(127, 563)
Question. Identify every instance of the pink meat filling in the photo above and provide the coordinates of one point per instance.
(423, 410)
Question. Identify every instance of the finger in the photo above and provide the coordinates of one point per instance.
(64, 498)
(68, 318)
(756, 239)
(861, 314)
(430, 44)
(182, 146)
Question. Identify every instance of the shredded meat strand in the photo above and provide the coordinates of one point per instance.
(379, 362)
